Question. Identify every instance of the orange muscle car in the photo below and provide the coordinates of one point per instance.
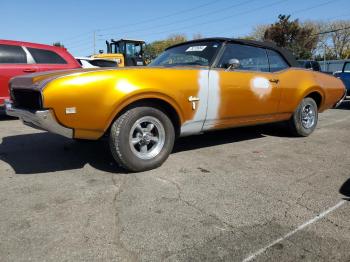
(191, 88)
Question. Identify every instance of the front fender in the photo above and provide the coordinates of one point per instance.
(98, 97)
(135, 97)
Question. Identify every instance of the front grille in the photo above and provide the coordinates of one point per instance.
(27, 99)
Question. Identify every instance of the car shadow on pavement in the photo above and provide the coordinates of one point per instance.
(45, 152)
(230, 136)
(345, 189)
(4, 117)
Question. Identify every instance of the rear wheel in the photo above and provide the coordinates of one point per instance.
(141, 139)
(305, 118)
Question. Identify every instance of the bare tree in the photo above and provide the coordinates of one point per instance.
(340, 38)
(259, 32)
(323, 42)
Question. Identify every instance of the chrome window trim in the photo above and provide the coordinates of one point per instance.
(218, 55)
(223, 48)
(30, 59)
(278, 54)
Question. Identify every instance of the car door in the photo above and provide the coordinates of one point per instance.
(47, 60)
(14, 61)
(243, 95)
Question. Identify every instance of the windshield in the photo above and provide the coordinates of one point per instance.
(192, 54)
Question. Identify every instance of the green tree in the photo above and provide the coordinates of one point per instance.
(301, 40)
(258, 32)
(153, 49)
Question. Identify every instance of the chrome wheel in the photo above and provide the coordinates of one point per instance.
(308, 116)
(147, 137)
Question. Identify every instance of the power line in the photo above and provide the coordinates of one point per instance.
(331, 31)
(293, 12)
(188, 19)
(79, 46)
(343, 15)
(187, 10)
(320, 33)
(259, 8)
(313, 7)
(213, 21)
(328, 18)
(205, 14)
(87, 38)
(77, 36)
(224, 18)
(146, 21)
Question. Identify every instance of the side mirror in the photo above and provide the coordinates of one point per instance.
(233, 63)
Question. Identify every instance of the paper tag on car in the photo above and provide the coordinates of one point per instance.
(198, 48)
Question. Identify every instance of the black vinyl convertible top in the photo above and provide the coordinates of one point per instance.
(288, 56)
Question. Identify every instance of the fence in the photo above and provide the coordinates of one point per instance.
(331, 66)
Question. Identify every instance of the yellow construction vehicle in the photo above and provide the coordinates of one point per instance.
(126, 52)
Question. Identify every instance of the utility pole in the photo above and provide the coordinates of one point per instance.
(324, 58)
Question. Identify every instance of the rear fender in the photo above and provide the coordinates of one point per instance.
(315, 89)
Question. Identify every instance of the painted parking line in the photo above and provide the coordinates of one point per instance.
(301, 227)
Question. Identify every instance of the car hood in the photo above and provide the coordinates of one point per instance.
(38, 81)
(35, 80)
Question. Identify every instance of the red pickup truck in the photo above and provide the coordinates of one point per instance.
(18, 58)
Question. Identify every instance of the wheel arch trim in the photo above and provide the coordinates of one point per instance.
(127, 102)
(312, 91)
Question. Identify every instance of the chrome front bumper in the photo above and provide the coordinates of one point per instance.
(341, 100)
(41, 119)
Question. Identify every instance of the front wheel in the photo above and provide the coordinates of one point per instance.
(141, 138)
(305, 118)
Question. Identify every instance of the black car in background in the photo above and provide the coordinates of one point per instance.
(310, 64)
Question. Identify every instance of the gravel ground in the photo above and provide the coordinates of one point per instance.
(235, 195)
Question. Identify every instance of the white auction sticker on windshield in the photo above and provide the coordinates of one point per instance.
(198, 48)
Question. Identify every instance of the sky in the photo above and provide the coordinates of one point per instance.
(75, 22)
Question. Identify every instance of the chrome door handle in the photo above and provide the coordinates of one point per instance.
(274, 81)
(193, 100)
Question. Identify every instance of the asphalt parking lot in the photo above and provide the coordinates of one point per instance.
(236, 195)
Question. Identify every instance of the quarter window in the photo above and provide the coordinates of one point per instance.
(11, 54)
(277, 63)
(42, 56)
(251, 58)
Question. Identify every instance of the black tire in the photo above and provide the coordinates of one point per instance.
(297, 126)
(120, 140)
